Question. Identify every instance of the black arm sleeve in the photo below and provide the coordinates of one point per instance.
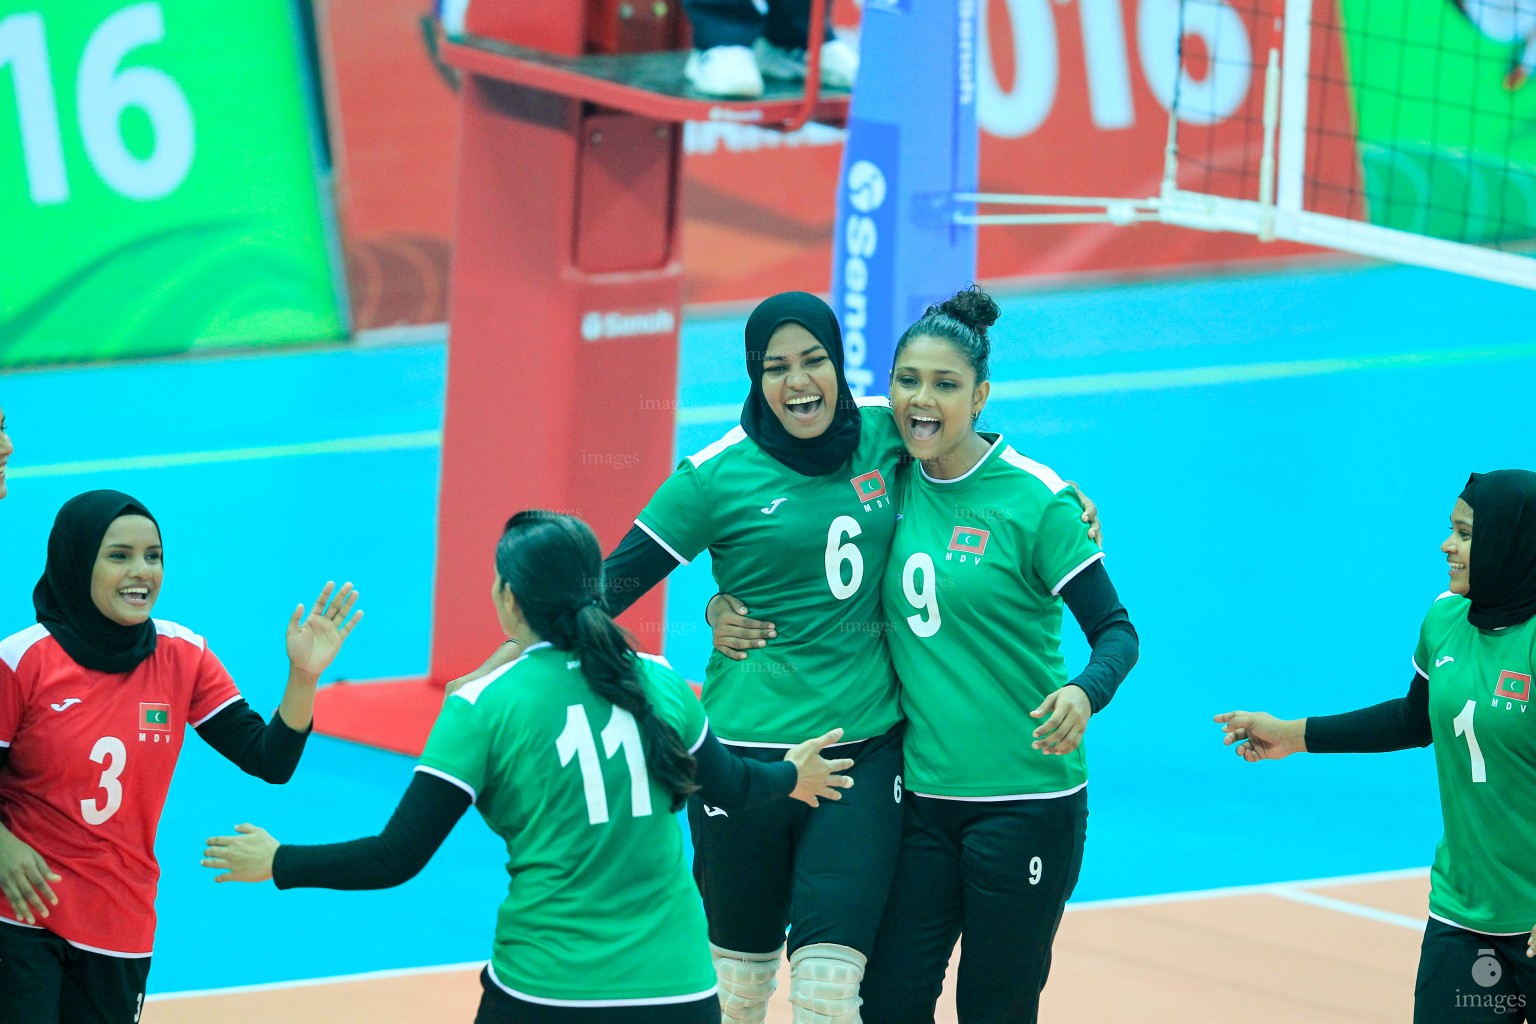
(1105, 623)
(634, 567)
(736, 783)
(268, 750)
(428, 811)
(1391, 725)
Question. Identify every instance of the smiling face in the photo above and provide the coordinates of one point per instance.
(5, 452)
(1458, 548)
(125, 582)
(799, 381)
(936, 399)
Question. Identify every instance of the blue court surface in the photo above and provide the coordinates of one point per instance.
(1275, 457)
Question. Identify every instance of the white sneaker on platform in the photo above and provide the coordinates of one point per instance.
(725, 72)
(839, 63)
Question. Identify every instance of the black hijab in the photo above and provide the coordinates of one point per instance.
(808, 456)
(1503, 569)
(62, 596)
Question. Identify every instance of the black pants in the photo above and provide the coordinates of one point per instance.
(823, 872)
(738, 23)
(45, 980)
(500, 1007)
(1470, 978)
(999, 873)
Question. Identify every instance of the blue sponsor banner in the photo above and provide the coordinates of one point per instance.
(911, 147)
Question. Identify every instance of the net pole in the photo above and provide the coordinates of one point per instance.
(1294, 69)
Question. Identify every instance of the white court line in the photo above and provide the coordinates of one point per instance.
(1317, 899)
(1284, 889)
(340, 979)
(1189, 377)
(340, 446)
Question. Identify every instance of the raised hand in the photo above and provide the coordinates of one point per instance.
(1262, 737)
(246, 857)
(314, 639)
(818, 776)
(734, 633)
(24, 878)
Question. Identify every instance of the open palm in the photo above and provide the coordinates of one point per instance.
(314, 639)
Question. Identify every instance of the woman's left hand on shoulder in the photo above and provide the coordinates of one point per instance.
(1090, 515)
(1066, 712)
(314, 639)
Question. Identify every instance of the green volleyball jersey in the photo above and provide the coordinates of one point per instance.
(1485, 756)
(601, 907)
(806, 553)
(971, 593)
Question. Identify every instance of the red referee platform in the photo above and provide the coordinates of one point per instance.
(565, 303)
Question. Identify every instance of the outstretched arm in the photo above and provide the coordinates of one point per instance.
(427, 812)
(733, 783)
(1391, 725)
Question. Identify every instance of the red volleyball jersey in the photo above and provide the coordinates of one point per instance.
(91, 757)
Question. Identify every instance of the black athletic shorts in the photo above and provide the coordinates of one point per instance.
(998, 872)
(1467, 977)
(498, 1006)
(821, 872)
(45, 980)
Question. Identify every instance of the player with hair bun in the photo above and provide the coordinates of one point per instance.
(578, 754)
(989, 546)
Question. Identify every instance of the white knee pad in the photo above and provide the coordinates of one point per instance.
(746, 982)
(824, 983)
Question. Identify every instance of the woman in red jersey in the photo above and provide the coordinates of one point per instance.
(94, 702)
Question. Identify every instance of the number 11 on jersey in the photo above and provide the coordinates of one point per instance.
(621, 733)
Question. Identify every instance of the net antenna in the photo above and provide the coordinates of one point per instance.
(1403, 130)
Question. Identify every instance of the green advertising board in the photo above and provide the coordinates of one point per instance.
(158, 181)
(1445, 111)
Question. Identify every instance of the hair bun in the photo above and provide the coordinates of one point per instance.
(973, 307)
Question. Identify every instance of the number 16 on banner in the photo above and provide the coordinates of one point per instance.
(105, 91)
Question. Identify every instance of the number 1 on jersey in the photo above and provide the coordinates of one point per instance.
(1463, 724)
(621, 732)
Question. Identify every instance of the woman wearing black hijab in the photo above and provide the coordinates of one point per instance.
(94, 703)
(1470, 696)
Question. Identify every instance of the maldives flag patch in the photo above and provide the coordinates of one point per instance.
(1514, 686)
(969, 539)
(869, 486)
(154, 718)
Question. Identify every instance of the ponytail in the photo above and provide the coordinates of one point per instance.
(554, 566)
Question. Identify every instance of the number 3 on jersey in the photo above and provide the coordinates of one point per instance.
(110, 753)
(621, 732)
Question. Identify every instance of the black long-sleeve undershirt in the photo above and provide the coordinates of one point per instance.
(1391, 725)
(268, 750)
(1096, 606)
(432, 805)
(634, 567)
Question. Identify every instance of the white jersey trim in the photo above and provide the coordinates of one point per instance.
(14, 647)
(80, 945)
(1474, 931)
(872, 402)
(439, 773)
(472, 690)
(955, 480)
(735, 435)
(5, 743)
(176, 631)
(700, 741)
(1069, 577)
(1045, 474)
(1414, 661)
(659, 659)
(668, 547)
(787, 746)
(544, 1001)
(999, 799)
(216, 710)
